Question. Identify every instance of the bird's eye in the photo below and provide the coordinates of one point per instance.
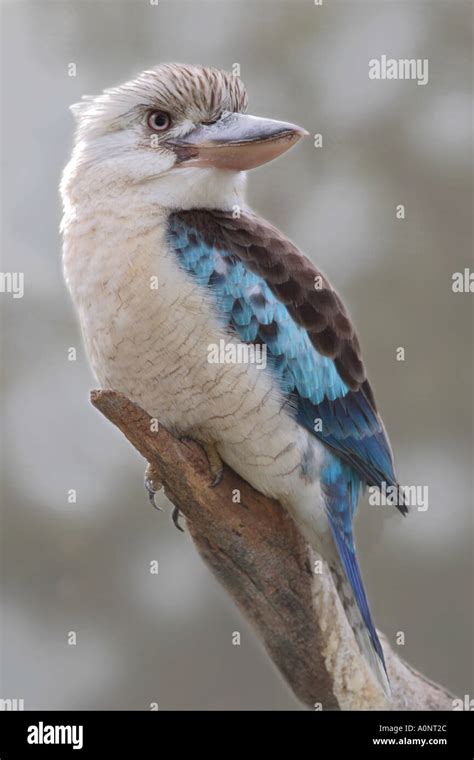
(158, 121)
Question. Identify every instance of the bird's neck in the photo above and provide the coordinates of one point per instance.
(85, 188)
(193, 187)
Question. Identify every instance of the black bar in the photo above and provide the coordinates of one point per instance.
(316, 734)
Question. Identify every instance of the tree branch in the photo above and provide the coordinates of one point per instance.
(253, 547)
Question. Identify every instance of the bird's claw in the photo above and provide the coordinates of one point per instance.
(175, 517)
(151, 494)
(217, 477)
(152, 485)
(216, 464)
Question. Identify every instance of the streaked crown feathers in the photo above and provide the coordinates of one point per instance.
(186, 91)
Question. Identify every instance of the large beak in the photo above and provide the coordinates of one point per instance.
(237, 142)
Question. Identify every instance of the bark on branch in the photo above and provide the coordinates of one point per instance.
(256, 552)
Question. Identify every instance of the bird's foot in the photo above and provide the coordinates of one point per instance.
(152, 485)
(216, 465)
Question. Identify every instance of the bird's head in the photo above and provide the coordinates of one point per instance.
(181, 130)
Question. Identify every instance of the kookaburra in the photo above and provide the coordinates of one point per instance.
(165, 262)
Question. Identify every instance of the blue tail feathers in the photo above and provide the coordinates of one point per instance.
(341, 486)
(352, 571)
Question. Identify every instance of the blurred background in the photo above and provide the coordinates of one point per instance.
(84, 566)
